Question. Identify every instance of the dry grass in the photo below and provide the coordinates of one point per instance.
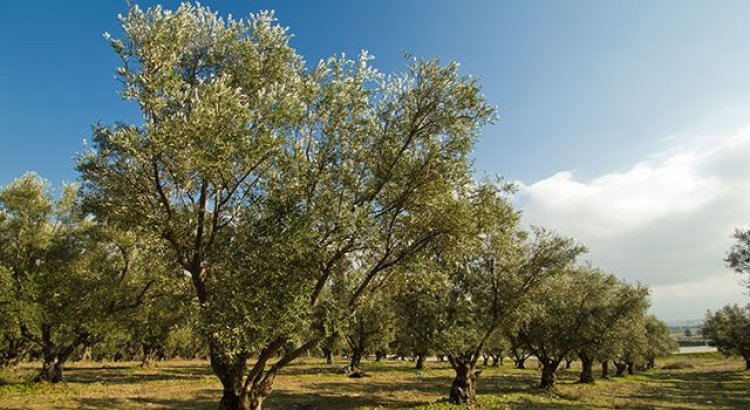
(713, 383)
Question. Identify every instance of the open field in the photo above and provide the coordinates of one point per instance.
(713, 383)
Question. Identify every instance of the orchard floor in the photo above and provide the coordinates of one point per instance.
(713, 383)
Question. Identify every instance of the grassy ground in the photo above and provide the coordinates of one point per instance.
(713, 383)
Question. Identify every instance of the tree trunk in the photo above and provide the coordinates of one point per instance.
(52, 366)
(650, 363)
(631, 368)
(86, 355)
(521, 363)
(485, 360)
(52, 371)
(15, 350)
(496, 360)
(747, 363)
(231, 370)
(549, 367)
(587, 373)
(464, 387)
(356, 360)
(148, 356)
(620, 368)
(605, 369)
(328, 355)
(568, 362)
(379, 355)
(420, 361)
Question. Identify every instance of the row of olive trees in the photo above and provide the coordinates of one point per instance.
(575, 313)
(67, 279)
(271, 204)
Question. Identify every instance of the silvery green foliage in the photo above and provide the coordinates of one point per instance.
(738, 257)
(69, 279)
(729, 330)
(269, 181)
(492, 269)
(582, 310)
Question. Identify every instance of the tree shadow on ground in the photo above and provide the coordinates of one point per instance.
(706, 388)
(196, 403)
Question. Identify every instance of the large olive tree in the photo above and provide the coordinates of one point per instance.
(267, 180)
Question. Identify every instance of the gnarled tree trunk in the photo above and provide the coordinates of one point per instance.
(328, 354)
(421, 357)
(230, 369)
(356, 359)
(53, 355)
(496, 360)
(549, 367)
(464, 386)
(620, 368)
(605, 369)
(587, 364)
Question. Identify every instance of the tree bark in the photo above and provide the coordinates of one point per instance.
(148, 356)
(230, 370)
(15, 350)
(464, 386)
(549, 367)
(485, 360)
(496, 360)
(605, 369)
(521, 363)
(587, 373)
(631, 368)
(620, 368)
(568, 362)
(52, 371)
(356, 359)
(420, 361)
(328, 355)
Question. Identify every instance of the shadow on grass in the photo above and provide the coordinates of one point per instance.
(706, 388)
(199, 403)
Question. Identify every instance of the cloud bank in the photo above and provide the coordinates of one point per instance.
(665, 222)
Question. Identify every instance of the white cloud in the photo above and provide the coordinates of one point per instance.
(665, 222)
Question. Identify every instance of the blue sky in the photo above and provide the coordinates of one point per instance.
(590, 88)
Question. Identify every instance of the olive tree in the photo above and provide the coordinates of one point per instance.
(615, 305)
(266, 180)
(571, 313)
(738, 256)
(70, 278)
(420, 305)
(487, 268)
(659, 341)
(371, 329)
(729, 330)
(518, 350)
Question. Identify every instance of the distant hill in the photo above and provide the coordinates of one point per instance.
(685, 323)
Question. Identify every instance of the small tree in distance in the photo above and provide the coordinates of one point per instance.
(729, 330)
